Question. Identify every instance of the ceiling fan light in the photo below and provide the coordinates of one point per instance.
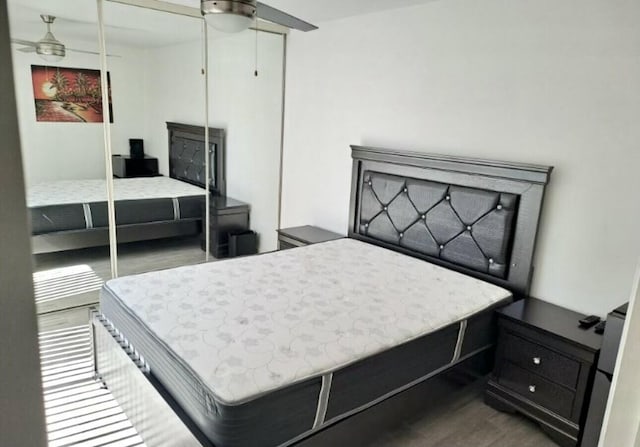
(51, 51)
(51, 57)
(228, 23)
(230, 16)
(49, 48)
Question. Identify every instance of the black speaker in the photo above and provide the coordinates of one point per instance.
(136, 148)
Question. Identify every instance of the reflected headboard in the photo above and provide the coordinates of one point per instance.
(186, 156)
(478, 217)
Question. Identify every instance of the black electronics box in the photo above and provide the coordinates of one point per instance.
(136, 148)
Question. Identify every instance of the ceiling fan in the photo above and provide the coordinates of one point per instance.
(48, 48)
(237, 15)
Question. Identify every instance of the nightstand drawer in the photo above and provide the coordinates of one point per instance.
(537, 389)
(541, 360)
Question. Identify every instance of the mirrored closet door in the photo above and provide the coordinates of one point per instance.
(158, 185)
(246, 100)
(58, 91)
(195, 75)
(152, 159)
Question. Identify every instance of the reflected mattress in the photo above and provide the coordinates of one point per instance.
(72, 205)
(262, 351)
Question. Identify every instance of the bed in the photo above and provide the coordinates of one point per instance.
(296, 347)
(71, 214)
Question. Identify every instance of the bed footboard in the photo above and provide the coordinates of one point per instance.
(126, 376)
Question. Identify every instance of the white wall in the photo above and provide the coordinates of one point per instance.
(249, 108)
(532, 81)
(174, 92)
(58, 151)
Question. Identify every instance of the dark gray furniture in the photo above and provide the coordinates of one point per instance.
(187, 156)
(305, 235)
(125, 166)
(544, 367)
(494, 208)
(227, 216)
(604, 375)
(187, 163)
(478, 217)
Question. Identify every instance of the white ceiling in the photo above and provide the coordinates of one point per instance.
(318, 11)
(131, 26)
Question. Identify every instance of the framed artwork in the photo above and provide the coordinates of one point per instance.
(68, 94)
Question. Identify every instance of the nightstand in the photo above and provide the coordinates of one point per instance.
(125, 166)
(306, 235)
(544, 369)
(227, 216)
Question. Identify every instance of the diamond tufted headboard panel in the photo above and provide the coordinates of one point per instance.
(466, 226)
(475, 216)
(187, 155)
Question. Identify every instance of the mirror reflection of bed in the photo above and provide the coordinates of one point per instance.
(159, 220)
(155, 78)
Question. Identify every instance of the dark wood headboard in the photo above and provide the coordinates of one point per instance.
(478, 217)
(186, 156)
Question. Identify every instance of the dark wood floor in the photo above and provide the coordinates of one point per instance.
(465, 421)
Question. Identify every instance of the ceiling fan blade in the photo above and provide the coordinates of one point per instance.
(27, 43)
(83, 51)
(90, 52)
(27, 49)
(274, 15)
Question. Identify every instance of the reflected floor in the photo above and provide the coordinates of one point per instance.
(73, 278)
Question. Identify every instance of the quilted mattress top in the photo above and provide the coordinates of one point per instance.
(249, 326)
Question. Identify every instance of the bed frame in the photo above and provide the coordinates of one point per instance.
(187, 164)
(405, 189)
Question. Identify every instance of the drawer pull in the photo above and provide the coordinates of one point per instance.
(537, 360)
(532, 388)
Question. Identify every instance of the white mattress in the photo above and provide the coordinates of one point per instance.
(64, 192)
(252, 325)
